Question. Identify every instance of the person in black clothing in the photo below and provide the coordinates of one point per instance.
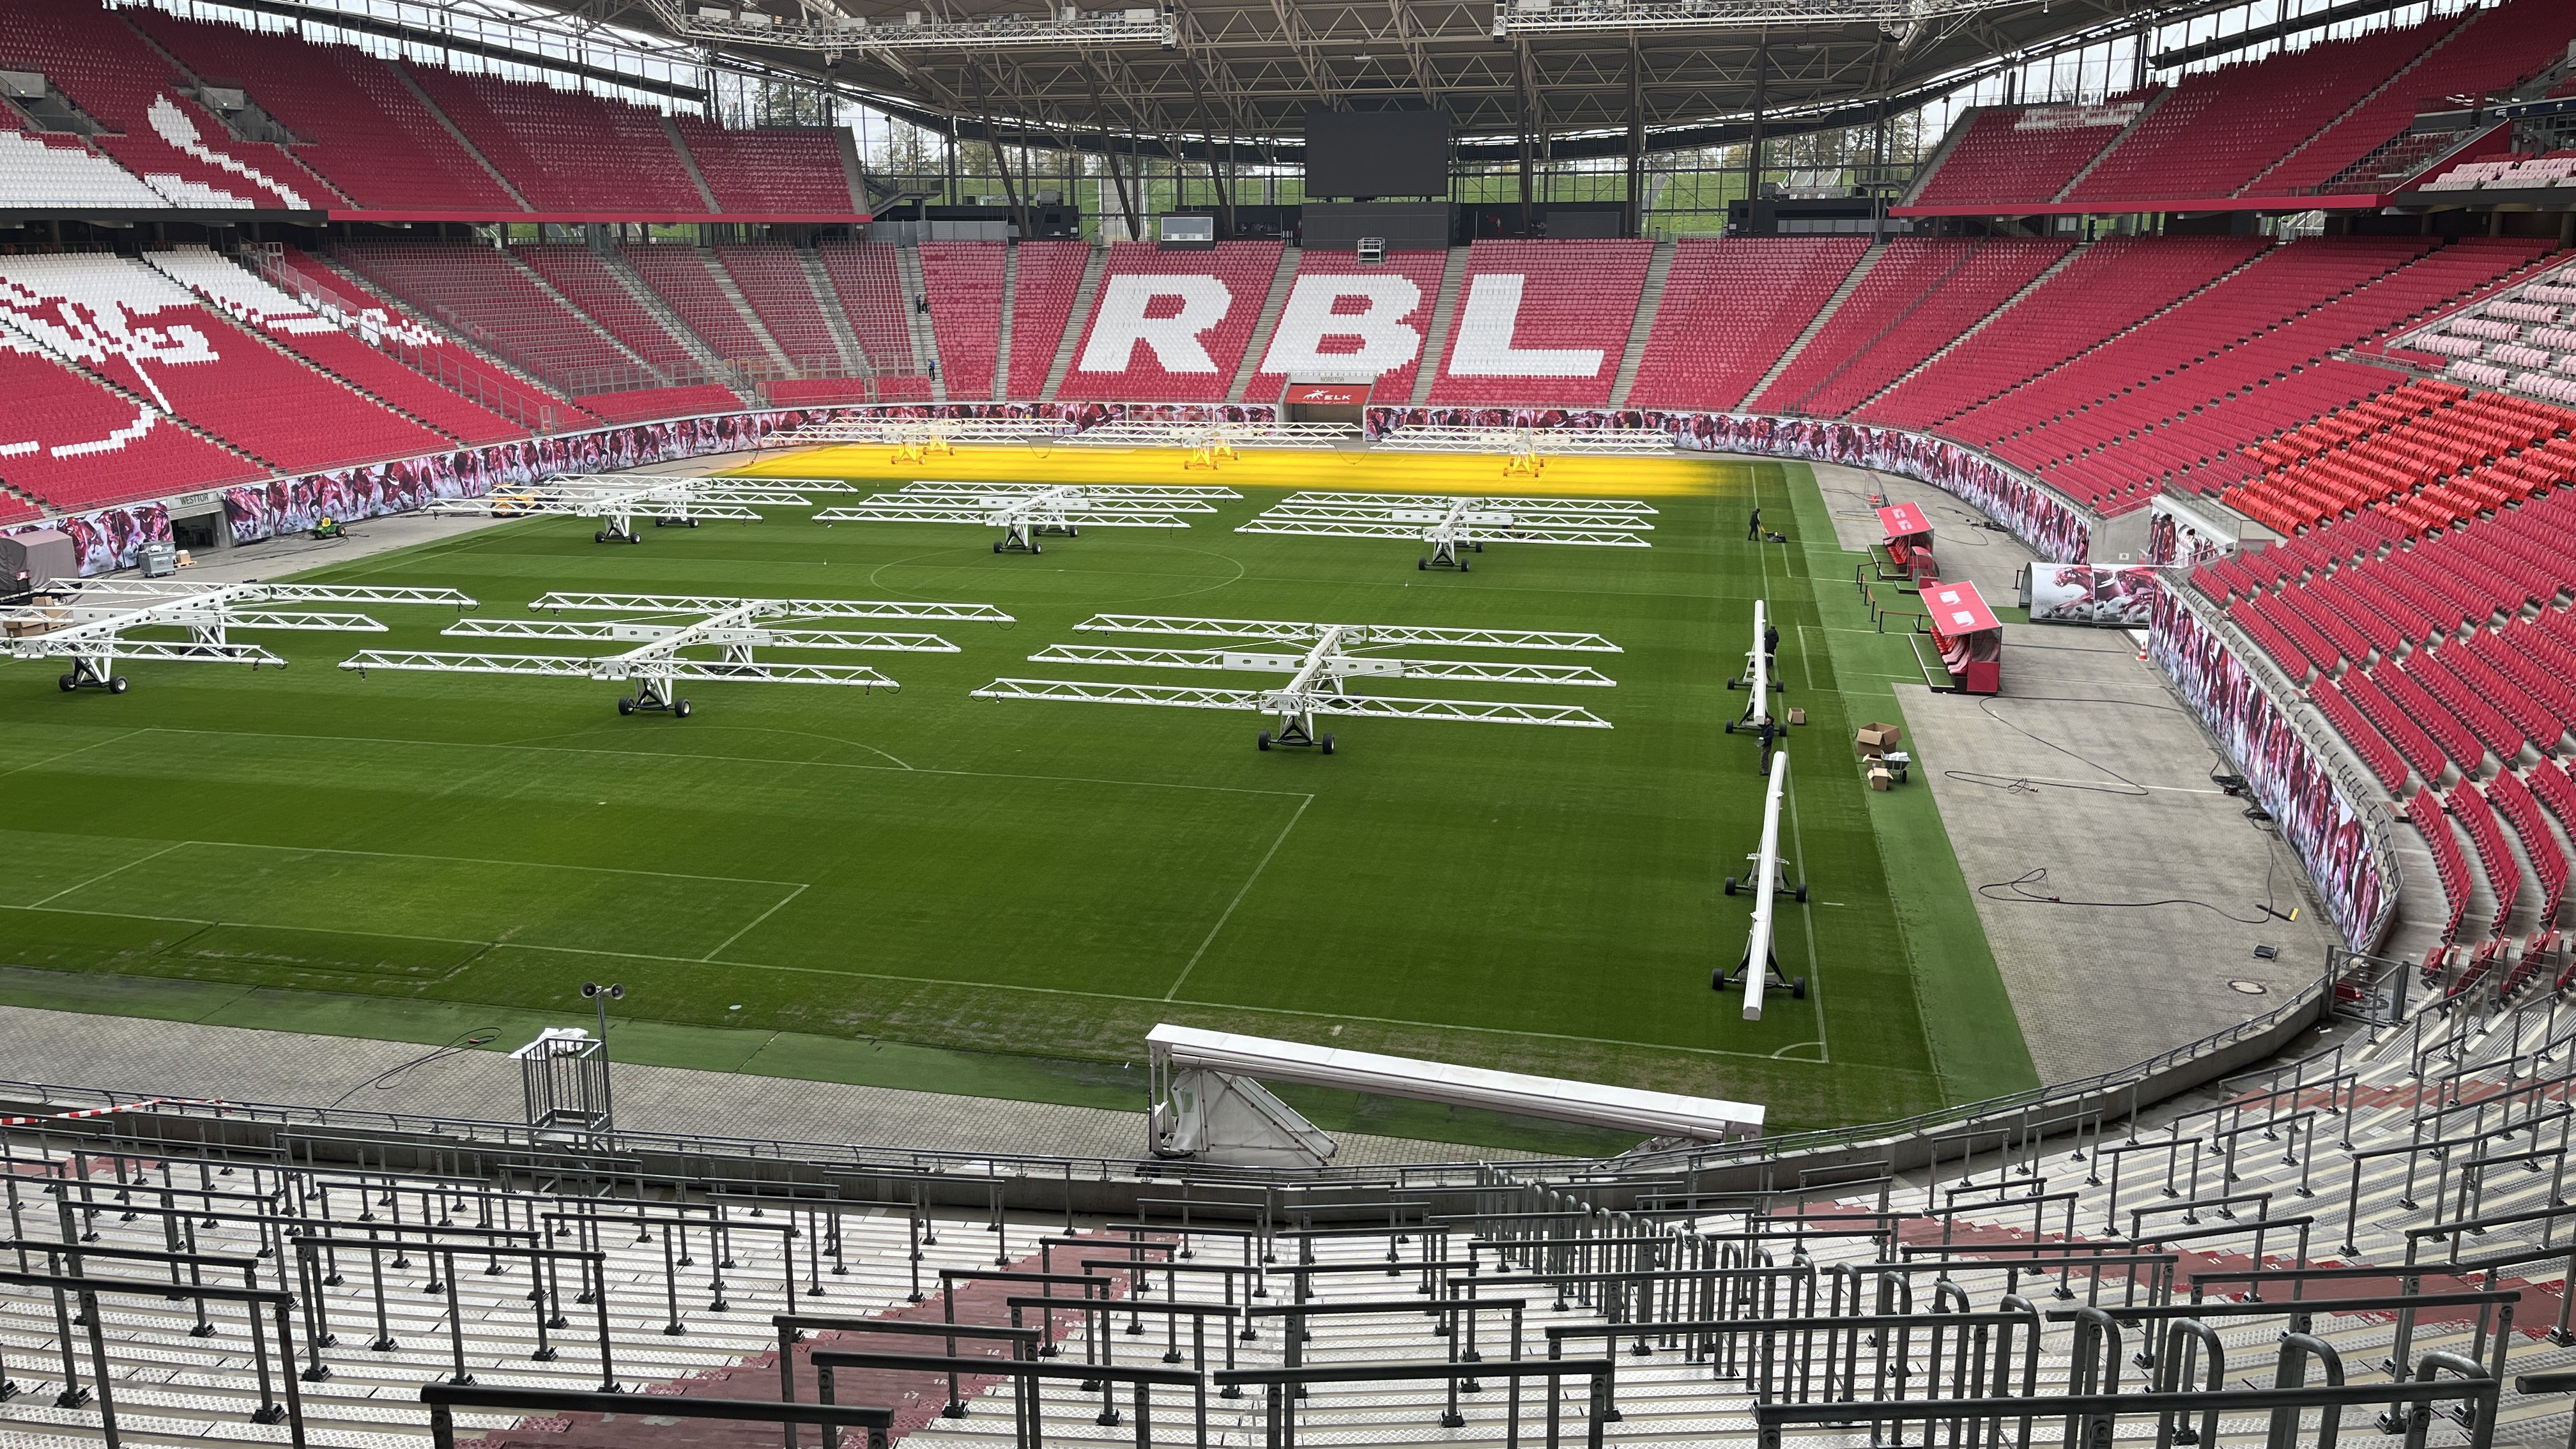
(1770, 641)
(1753, 527)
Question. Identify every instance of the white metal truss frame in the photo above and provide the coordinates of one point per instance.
(1761, 964)
(1528, 442)
(1318, 674)
(828, 29)
(922, 435)
(1454, 526)
(1757, 678)
(1027, 512)
(735, 628)
(618, 501)
(90, 623)
(1147, 434)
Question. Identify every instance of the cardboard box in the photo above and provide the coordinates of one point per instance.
(1874, 736)
(1880, 778)
(1797, 714)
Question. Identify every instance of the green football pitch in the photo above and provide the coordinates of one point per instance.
(1006, 894)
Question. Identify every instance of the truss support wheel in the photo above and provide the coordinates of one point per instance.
(1798, 988)
(1036, 547)
(600, 536)
(1423, 564)
(626, 704)
(1265, 739)
(679, 709)
(997, 545)
(116, 684)
(1324, 743)
(69, 682)
(634, 538)
(1462, 566)
(1730, 885)
(1802, 895)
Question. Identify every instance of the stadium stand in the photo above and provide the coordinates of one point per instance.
(365, 131)
(300, 330)
(2110, 287)
(2491, 51)
(1041, 303)
(964, 283)
(567, 152)
(2024, 154)
(1125, 366)
(869, 290)
(451, 363)
(38, 170)
(178, 148)
(584, 279)
(136, 328)
(490, 292)
(1770, 289)
(770, 171)
(684, 278)
(2425, 1174)
(1576, 299)
(2220, 129)
(71, 442)
(1421, 268)
(775, 280)
(1921, 294)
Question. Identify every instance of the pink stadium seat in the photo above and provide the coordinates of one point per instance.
(71, 442)
(964, 281)
(870, 292)
(365, 131)
(1921, 294)
(1200, 369)
(1395, 385)
(327, 345)
(1041, 302)
(684, 277)
(175, 145)
(2025, 154)
(1767, 288)
(137, 329)
(567, 152)
(772, 171)
(1576, 301)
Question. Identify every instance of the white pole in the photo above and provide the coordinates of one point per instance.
(1766, 885)
(1758, 670)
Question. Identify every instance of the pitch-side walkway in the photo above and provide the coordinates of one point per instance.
(2090, 767)
(276, 558)
(187, 1059)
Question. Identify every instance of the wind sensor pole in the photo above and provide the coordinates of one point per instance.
(1761, 965)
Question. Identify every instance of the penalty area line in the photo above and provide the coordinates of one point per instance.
(1248, 882)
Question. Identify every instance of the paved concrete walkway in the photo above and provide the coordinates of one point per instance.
(186, 1059)
(2089, 766)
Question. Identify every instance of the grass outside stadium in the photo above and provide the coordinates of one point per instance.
(925, 889)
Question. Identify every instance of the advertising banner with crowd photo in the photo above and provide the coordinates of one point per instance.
(2115, 598)
(2319, 814)
(2054, 528)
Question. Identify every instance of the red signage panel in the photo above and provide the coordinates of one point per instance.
(1328, 394)
(1904, 520)
(1958, 609)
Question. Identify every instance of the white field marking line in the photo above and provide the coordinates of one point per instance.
(726, 759)
(951, 982)
(1783, 1053)
(102, 875)
(1807, 910)
(512, 864)
(78, 750)
(1246, 889)
(2166, 789)
(756, 920)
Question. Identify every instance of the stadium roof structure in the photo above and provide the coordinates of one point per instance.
(1234, 78)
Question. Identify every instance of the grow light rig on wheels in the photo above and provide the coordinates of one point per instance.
(1761, 965)
(1318, 674)
(90, 622)
(1026, 512)
(655, 667)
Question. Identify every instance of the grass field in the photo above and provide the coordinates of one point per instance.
(394, 854)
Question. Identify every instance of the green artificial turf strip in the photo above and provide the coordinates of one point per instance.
(973, 878)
